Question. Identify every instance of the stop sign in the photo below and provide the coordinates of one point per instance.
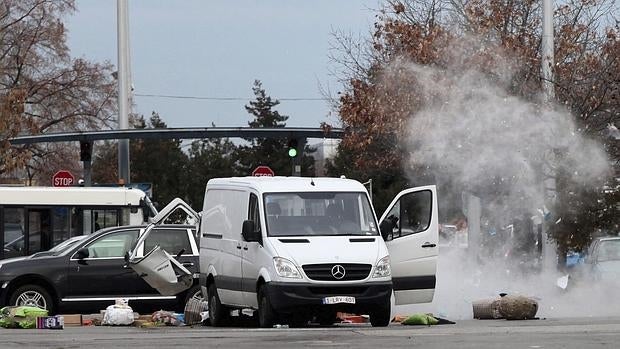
(63, 178)
(263, 171)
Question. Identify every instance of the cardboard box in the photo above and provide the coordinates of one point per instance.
(50, 322)
(72, 320)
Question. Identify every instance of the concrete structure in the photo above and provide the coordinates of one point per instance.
(325, 149)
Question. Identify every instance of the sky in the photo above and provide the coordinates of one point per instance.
(218, 48)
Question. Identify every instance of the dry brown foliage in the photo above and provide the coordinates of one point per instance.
(42, 89)
(492, 37)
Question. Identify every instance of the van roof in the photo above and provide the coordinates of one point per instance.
(280, 184)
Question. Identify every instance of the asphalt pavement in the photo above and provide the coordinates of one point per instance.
(544, 333)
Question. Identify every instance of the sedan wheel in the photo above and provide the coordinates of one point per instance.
(32, 296)
(196, 296)
(31, 299)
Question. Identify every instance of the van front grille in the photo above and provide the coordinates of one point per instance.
(337, 291)
(324, 272)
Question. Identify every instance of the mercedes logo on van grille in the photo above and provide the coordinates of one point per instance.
(338, 272)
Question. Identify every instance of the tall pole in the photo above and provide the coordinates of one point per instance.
(549, 185)
(123, 89)
(547, 50)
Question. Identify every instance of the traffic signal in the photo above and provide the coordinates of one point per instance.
(86, 151)
(292, 147)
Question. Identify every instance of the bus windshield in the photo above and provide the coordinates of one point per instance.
(319, 213)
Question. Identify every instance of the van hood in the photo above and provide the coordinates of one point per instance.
(329, 249)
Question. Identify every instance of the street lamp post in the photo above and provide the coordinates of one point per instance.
(547, 50)
(123, 89)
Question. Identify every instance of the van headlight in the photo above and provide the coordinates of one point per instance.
(383, 268)
(286, 268)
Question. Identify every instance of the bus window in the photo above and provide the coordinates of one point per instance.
(87, 222)
(104, 218)
(126, 215)
(76, 222)
(39, 229)
(60, 222)
(13, 232)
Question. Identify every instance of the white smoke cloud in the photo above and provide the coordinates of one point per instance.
(474, 132)
(461, 281)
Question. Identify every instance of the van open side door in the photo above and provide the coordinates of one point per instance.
(411, 230)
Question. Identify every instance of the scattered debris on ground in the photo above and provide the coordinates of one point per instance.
(421, 319)
(486, 309)
(509, 307)
(20, 317)
(196, 312)
(118, 314)
(518, 307)
(352, 318)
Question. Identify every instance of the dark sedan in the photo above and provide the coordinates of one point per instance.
(91, 273)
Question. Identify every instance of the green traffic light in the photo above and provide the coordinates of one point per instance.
(292, 152)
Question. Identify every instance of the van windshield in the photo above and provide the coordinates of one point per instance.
(319, 213)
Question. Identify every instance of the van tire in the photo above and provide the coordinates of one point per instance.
(266, 315)
(218, 313)
(381, 317)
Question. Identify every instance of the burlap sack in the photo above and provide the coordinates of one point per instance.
(518, 307)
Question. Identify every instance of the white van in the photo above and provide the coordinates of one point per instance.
(296, 248)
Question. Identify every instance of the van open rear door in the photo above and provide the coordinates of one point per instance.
(412, 222)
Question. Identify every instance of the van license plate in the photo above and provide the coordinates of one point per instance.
(339, 299)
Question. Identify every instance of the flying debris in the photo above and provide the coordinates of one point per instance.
(613, 131)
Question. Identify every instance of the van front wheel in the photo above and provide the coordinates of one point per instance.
(266, 315)
(380, 317)
(218, 313)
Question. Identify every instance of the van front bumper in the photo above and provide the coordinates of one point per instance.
(290, 297)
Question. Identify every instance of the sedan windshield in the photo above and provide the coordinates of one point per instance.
(319, 213)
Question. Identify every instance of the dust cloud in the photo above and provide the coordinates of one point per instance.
(461, 281)
(476, 134)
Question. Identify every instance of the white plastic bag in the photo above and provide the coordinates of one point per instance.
(118, 315)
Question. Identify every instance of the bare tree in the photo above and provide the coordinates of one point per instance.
(42, 89)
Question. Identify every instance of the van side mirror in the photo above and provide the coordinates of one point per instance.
(248, 232)
(82, 253)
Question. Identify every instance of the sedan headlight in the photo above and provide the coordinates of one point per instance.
(286, 268)
(383, 268)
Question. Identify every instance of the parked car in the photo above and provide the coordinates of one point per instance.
(603, 260)
(91, 273)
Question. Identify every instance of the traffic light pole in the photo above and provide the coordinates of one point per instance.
(87, 174)
(297, 161)
(86, 153)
